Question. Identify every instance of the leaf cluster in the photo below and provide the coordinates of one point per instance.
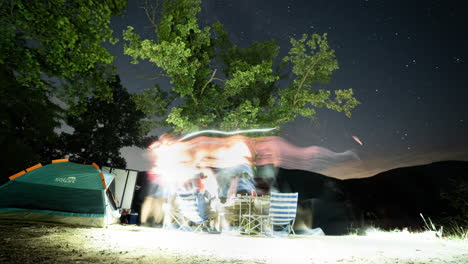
(224, 86)
(59, 40)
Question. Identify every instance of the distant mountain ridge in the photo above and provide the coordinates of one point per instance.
(390, 199)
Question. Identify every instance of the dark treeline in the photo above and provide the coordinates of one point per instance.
(388, 200)
(32, 130)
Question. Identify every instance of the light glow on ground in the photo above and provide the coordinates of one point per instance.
(375, 247)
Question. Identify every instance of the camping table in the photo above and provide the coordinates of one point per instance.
(253, 214)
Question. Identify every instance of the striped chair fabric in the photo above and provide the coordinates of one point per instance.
(283, 207)
(188, 207)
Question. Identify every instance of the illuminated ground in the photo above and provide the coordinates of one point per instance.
(43, 243)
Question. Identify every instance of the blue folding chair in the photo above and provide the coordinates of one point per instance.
(282, 214)
(189, 210)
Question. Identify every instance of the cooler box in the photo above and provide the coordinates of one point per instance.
(133, 218)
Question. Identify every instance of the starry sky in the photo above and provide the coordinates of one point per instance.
(407, 62)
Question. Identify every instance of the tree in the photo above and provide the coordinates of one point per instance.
(49, 49)
(27, 122)
(224, 86)
(56, 45)
(104, 128)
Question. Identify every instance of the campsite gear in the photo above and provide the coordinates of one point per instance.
(188, 212)
(253, 214)
(125, 184)
(124, 217)
(283, 207)
(133, 218)
(63, 192)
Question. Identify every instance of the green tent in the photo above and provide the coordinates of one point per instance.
(63, 192)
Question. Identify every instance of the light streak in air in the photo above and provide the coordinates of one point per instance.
(357, 140)
(226, 133)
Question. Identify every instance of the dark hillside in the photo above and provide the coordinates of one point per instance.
(396, 198)
(391, 199)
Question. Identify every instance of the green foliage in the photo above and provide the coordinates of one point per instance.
(49, 49)
(224, 86)
(59, 39)
(104, 128)
(153, 103)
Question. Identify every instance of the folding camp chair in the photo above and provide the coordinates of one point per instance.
(254, 218)
(171, 214)
(283, 207)
(187, 212)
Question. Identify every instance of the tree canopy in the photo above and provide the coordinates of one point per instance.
(56, 45)
(49, 49)
(103, 129)
(224, 86)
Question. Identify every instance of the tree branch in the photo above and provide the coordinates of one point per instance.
(210, 80)
(217, 79)
(150, 11)
(307, 73)
(303, 80)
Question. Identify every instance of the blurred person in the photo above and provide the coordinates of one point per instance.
(152, 206)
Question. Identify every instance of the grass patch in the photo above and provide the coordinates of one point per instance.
(429, 230)
(451, 231)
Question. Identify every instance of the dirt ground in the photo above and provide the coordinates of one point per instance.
(49, 243)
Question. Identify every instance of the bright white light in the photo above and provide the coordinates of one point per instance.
(222, 247)
(226, 133)
(400, 234)
(131, 244)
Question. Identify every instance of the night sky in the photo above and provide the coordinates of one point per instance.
(407, 62)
